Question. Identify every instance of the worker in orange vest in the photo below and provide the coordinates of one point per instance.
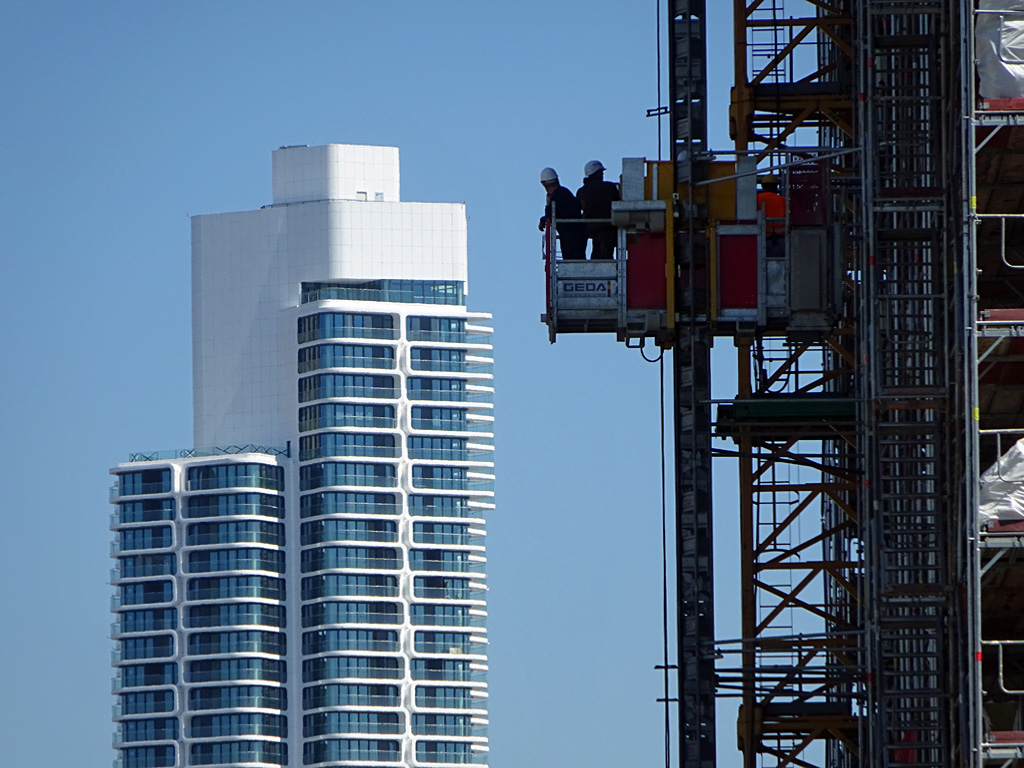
(774, 206)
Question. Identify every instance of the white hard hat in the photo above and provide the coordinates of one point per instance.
(548, 174)
(592, 167)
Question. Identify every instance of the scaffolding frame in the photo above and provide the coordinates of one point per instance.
(801, 563)
(860, 582)
(899, 490)
(911, 320)
(791, 72)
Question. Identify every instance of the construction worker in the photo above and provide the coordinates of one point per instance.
(572, 235)
(595, 198)
(774, 207)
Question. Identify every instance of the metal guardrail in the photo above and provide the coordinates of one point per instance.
(192, 453)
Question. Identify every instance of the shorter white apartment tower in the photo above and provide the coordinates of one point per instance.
(308, 588)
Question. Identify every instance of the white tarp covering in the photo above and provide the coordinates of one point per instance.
(1002, 487)
(999, 43)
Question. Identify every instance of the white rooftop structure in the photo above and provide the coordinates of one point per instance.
(326, 224)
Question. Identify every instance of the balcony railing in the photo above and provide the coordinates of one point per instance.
(141, 489)
(462, 649)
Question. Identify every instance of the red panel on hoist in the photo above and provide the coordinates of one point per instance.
(737, 271)
(806, 195)
(645, 272)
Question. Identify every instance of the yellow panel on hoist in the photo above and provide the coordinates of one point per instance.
(658, 183)
(721, 194)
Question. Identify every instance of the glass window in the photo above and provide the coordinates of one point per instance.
(445, 587)
(146, 481)
(448, 697)
(158, 729)
(231, 614)
(223, 753)
(225, 504)
(238, 724)
(347, 444)
(400, 291)
(147, 674)
(346, 473)
(146, 511)
(442, 560)
(452, 390)
(148, 757)
(328, 415)
(154, 537)
(327, 640)
(145, 702)
(143, 592)
(235, 532)
(349, 585)
(325, 723)
(350, 695)
(444, 725)
(437, 359)
(322, 356)
(349, 749)
(443, 616)
(316, 614)
(447, 642)
(443, 478)
(447, 752)
(348, 502)
(151, 647)
(255, 641)
(135, 566)
(454, 670)
(233, 696)
(149, 620)
(441, 506)
(226, 670)
(348, 529)
(438, 419)
(341, 325)
(425, 328)
(244, 559)
(327, 385)
(438, 448)
(222, 587)
(440, 533)
(328, 667)
(369, 558)
(208, 478)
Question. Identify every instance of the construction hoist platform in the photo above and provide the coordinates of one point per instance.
(761, 274)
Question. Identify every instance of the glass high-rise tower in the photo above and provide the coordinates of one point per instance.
(307, 587)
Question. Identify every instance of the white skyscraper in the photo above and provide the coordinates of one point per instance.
(306, 587)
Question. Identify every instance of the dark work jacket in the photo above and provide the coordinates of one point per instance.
(566, 206)
(572, 235)
(595, 198)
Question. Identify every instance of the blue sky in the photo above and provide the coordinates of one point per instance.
(121, 119)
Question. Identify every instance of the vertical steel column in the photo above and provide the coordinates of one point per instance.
(913, 504)
(688, 83)
(967, 317)
(692, 385)
(694, 564)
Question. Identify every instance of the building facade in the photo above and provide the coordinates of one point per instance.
(308, 588)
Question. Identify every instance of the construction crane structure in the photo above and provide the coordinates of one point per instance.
(881, 375)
